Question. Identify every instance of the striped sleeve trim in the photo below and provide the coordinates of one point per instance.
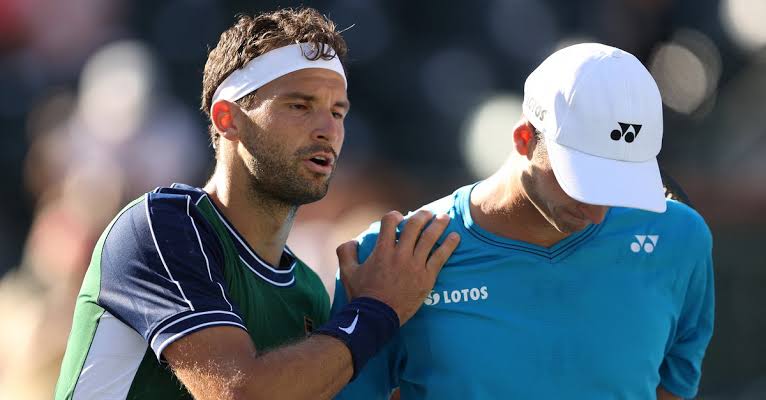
(159, 252)
(184, 324)
(204, 254)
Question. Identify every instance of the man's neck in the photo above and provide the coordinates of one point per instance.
(264, 222)
(501, 206)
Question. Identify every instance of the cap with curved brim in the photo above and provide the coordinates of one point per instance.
(607, 182)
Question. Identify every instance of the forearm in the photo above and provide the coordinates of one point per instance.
(316, 368)
(327, 361)
(222, 363)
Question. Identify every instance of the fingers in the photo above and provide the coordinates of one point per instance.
(430, 235)
(413, 227)
(347, 253)
(348, 260)
(387, 234)
(441, 254)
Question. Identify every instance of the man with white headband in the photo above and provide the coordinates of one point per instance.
(575, 277)
(192, 292)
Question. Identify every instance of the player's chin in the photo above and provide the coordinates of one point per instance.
(315, 191)
(317, 183)
(313, 184)
(570, 224)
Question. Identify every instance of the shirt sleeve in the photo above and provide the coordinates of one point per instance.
(162, 271)
(380, 375)
(681, 369)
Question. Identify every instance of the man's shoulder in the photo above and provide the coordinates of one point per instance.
(177, 191)
(176, 199)
(676, 212)
(148, 215)
(449, 205)
(679, 221)
(446, 205)
(175, 194)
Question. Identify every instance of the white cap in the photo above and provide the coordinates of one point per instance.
(600, 112)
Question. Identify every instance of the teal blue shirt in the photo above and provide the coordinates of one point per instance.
(610, 312)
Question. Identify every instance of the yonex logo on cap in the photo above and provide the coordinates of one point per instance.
(628, 131)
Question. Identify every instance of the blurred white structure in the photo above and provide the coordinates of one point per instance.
(488, 133)
(744, 22)
(687, 70)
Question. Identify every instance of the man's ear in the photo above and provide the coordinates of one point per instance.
(222, 117)
(524, 138)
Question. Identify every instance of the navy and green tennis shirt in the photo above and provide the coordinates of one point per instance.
(168, 265)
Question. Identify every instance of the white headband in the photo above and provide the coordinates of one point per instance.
(272, 65)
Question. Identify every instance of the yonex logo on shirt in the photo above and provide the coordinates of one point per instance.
(456, 296)
(642, 244)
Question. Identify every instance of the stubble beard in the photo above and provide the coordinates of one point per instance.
(549, 212)
(278, 176)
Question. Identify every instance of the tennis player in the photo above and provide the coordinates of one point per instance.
(575, 277)
(191, 292)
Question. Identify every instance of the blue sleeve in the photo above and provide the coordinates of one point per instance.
(681, 369)
(162, 271)
(379, 376)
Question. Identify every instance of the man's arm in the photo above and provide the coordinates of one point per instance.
(681, 369)
(222, 362)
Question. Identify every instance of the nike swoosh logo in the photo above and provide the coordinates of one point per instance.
(350, 329)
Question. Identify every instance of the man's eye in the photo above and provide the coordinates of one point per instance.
(338, 115)
(298, 106)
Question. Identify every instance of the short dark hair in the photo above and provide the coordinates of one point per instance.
(252, 36)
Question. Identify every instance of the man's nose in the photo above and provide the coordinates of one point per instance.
(328, 129)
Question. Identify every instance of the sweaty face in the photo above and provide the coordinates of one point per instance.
(564, 213)
(292, 137)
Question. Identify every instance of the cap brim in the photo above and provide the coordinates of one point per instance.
(602, 181)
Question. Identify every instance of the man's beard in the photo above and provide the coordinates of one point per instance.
(277, 175)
